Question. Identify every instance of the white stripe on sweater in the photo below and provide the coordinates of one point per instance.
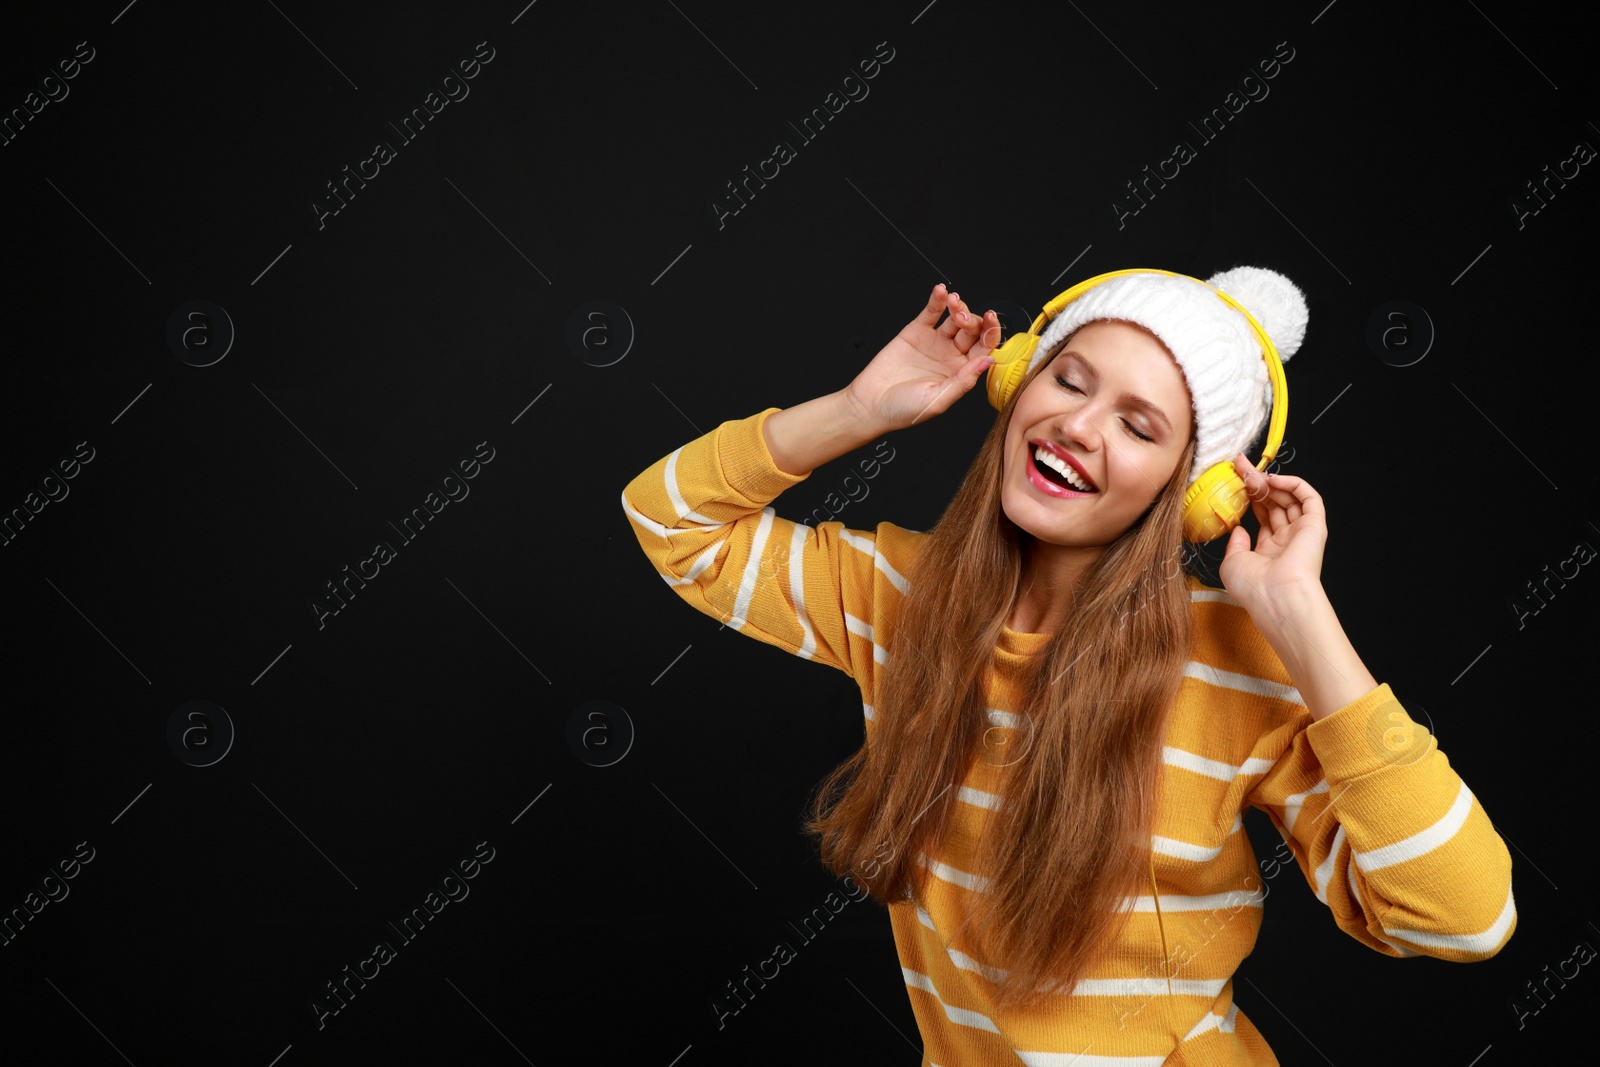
(1355, 895)
(1486, 941)
(680, 505)
(1091, 987)
(1211, 768)
(701, 562)
(661, 530)
(1210, 988)
(1294, 801)
(917, 980)
(1209, 1022)
(797, 593)
(1083, 1059)
(1149, 987)
(967, 963)
(1324, 871)
(1243, 682)
(1185, 850)
(752, 568)
(870, 547)
(644, 520)
(979, 798)
(954, 875)
(1232, 900)
(859, 626)
(1423, 841)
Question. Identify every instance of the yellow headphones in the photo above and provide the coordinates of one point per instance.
(1216, 501)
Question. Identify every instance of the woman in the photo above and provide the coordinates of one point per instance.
(1063, 727)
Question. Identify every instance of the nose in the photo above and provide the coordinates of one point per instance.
(1081, 426)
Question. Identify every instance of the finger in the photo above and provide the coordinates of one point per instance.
(964, 314)
(1297, 496)
(990, 332)
(964, 317)
(1258, 490)
(1297, 487)
(1238, 541)
(1281, 497)
(1277, 518)
(978, 365)
(1262, 510)
(1269, 496)
(961, 316)
(963, 337)
(935, 307)
(952, 323)
(1266, 490)
(1297, 499)
(1255, 483)
(1276, 510)
(987, 333)
(1304, 501)
(970, 330)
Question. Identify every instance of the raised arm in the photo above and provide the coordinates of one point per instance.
(701, 513)
(923, 370)
(1385, 831)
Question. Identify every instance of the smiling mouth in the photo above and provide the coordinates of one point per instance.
(1051, 474)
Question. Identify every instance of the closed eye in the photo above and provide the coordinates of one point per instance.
(1068, 385)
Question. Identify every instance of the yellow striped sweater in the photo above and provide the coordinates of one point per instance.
(1400, 851)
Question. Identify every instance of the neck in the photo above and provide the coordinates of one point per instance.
(1050, 576)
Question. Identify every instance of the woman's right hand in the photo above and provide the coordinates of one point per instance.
(926, 368)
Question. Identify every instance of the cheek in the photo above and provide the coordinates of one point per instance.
(1146, 474)
(1161, 470)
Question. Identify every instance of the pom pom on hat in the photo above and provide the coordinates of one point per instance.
(1275, 301)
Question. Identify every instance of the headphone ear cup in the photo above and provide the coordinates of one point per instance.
(1010, 367)
(1214, 504)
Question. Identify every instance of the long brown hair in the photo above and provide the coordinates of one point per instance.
(1074, 826)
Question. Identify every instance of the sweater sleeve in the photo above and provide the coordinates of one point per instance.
(1388, 836)
(702, 517)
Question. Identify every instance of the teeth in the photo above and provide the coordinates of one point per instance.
(1045, 456)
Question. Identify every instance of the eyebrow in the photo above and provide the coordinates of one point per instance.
(1148, 406)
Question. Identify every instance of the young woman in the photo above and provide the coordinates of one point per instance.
(1062, 726)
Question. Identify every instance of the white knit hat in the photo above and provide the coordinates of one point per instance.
(1214, 345)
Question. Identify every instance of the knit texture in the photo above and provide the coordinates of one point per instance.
(1403, 856)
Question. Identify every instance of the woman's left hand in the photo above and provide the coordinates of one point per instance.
(1288, 550)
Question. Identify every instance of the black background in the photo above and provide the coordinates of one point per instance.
(376, 349)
